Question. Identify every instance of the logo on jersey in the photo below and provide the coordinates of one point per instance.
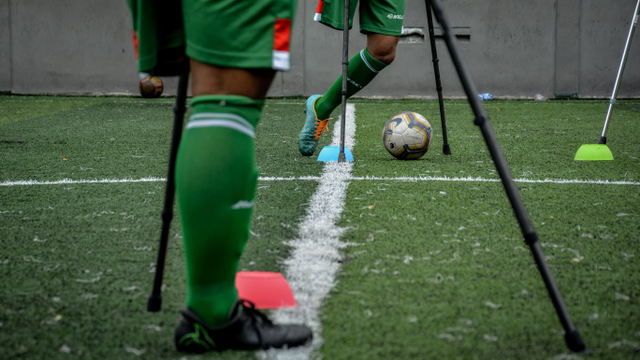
(242, 204)
(354, 83)
(395, 17)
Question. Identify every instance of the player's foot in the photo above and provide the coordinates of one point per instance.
(313, 128)
(247, 329)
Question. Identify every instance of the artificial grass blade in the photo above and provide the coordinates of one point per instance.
(594, 152)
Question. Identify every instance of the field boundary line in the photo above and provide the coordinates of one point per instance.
(315, 253)
(8, 183)
(481, 179)
(71, 181)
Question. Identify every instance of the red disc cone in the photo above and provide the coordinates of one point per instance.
(267, 290)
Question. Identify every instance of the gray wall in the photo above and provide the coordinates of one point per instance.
(68, 46)
(514, 49)
(5, 46)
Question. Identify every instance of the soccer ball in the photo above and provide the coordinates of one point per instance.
(407, 135)
(150, 87)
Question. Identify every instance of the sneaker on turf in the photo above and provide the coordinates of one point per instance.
(312, 129)
(247, 329)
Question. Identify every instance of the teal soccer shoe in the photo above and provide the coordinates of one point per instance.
(313, 128)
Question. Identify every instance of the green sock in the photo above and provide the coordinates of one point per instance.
(363, 67)
(216, 181)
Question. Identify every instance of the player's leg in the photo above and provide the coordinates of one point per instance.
(382, 47)
(215, 184)
(216, 175)
(209, 79)
(363, 68)
(382, 38)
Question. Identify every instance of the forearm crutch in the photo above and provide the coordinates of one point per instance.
(436, 70)
(572, 336)
(155, 299)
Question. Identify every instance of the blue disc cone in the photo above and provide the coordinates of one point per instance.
(331, 153)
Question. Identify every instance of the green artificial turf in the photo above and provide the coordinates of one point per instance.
(78, 259)
(433, 261)
(437, 269)
(539, 140)
(440, 269)
(19, 108)
(78, 262)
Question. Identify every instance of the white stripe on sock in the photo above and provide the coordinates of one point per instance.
(364, 58)
(221, 123)
(222, 116)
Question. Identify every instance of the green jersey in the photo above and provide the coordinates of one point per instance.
(227, 33)
(376, 16)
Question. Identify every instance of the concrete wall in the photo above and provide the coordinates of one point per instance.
(509, 52)
(5, 46)
(603, 31)
(563, 48)
(71, 46)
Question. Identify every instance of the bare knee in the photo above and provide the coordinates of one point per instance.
(382, 47)
(214, 80)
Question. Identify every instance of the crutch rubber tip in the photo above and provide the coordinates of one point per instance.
(574, 341)
(446, 150)
(603, 140)
(154, 304)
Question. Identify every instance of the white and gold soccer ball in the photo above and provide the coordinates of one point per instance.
(407, 135)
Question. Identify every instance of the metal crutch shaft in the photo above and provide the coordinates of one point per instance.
(446, 150)
(572, 336)
(345, 66)
(154, 303)
(623, 62)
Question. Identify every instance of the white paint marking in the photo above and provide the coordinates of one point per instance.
(480, 179)
(70, 181)
(318, 178)
(313, 264)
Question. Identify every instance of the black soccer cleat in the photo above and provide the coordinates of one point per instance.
(247, 329)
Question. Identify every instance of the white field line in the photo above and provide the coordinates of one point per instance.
(318, 178)
(449, 101)
(458, 179)
(313, 263)
(480, 179)
(70, 181)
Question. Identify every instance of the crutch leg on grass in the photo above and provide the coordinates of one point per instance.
(572, 336)
(436, 71)
(155, 299)
(345, 66)
(623, 62)
(601, 151)
(341, 153)
(383, 29)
